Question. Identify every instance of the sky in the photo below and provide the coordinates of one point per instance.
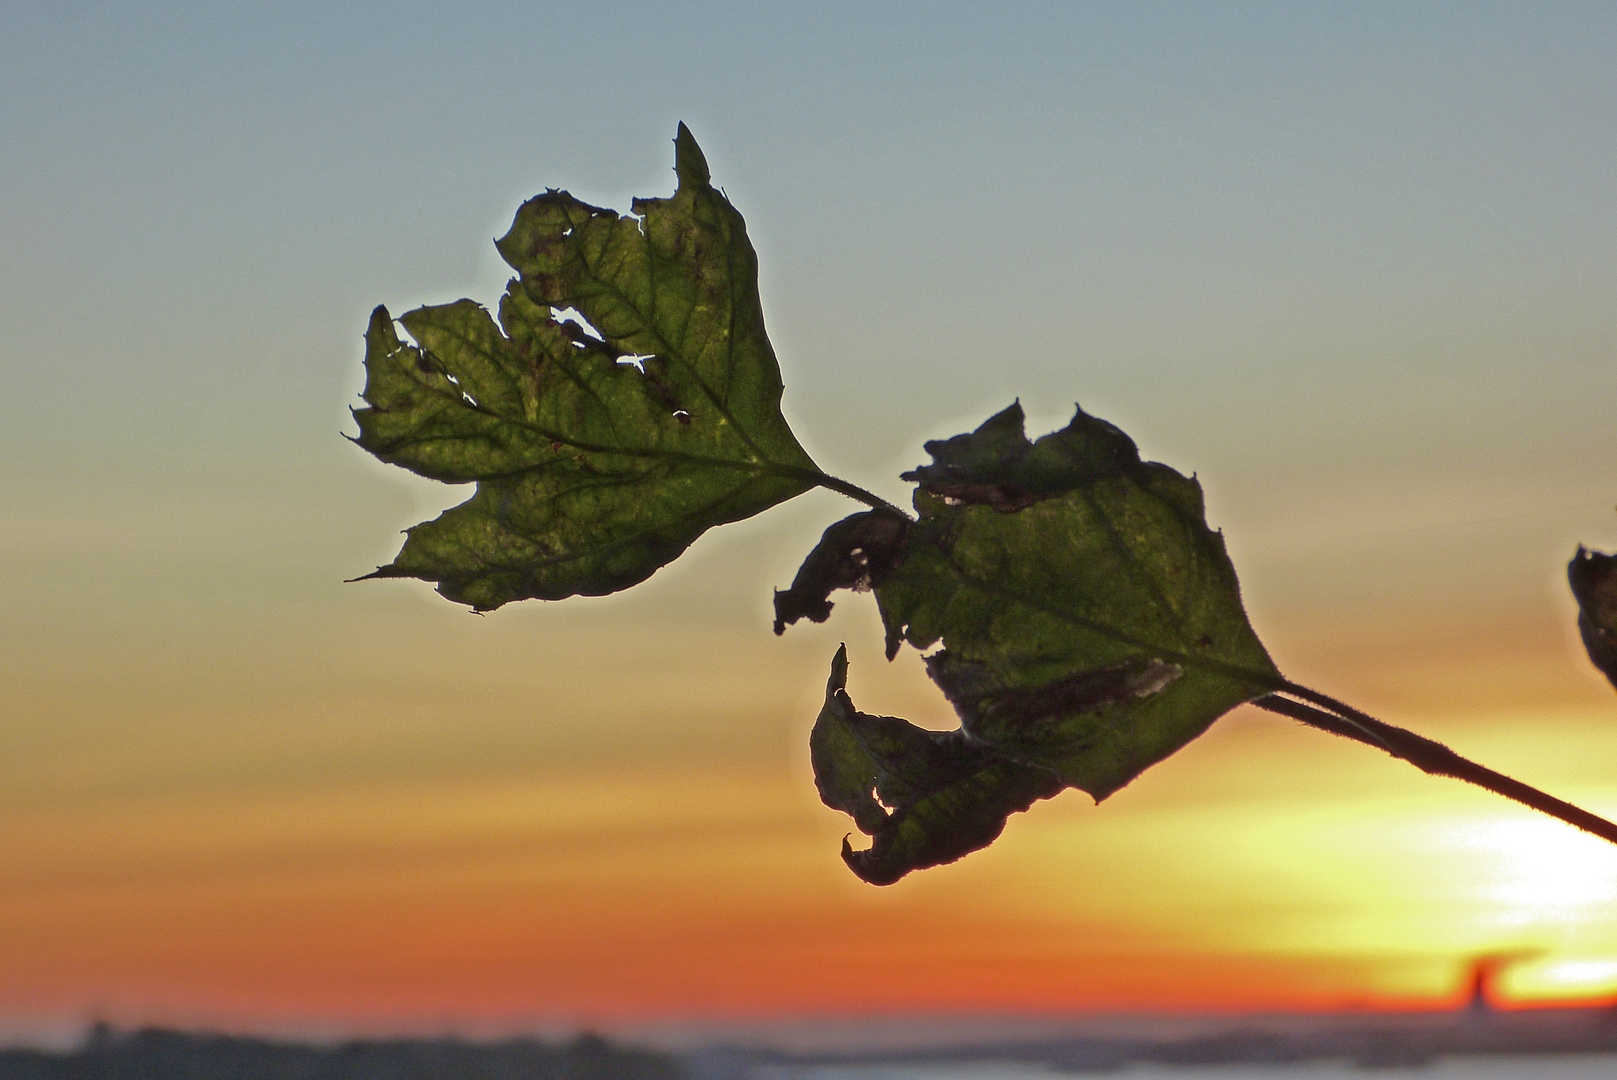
(1350, 264)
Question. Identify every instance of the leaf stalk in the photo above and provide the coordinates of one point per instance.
(843, 487)
(1429, 756)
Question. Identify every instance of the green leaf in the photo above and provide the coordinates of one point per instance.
(600, 452)
(1091, 621)
(1091, 625)
(925, 797)
(1593, 576)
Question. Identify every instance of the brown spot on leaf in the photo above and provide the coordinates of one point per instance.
(969, 688)
(1005, 498)
(655, 371)
(543, 286)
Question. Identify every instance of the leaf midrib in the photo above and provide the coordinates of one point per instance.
(667, 350)
(624, 541)
(1267, 680)
(763, 466)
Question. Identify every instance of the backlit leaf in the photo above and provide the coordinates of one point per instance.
(600, 451)
(1091, 622)
(925, 797)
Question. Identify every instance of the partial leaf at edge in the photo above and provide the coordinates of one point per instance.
(1593, 577)
(600, 452)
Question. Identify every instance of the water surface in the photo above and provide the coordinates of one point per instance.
(1559, 1067)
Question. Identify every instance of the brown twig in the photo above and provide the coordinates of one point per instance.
(1427, 755)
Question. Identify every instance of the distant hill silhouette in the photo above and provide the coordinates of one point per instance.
(157, 1054)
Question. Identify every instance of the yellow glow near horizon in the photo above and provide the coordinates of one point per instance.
(1558, 978)
(1532, 871)
(1276, 842)
(1211, 883)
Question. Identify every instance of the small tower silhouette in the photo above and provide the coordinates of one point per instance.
(1480, 1002)
(1483, 999)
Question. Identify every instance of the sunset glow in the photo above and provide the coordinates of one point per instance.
(1354, 269)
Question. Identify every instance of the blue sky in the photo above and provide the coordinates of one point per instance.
(1312, 252)
(954, 204)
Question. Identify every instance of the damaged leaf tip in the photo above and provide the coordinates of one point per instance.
(856, 553)
(839, 671)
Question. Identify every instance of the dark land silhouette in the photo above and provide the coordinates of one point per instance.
(1370, 1040)
(157, 1054)
(1478, 1026)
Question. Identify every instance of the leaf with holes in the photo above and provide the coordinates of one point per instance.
(601, 448)
(1091, 621)
(1091, 625)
